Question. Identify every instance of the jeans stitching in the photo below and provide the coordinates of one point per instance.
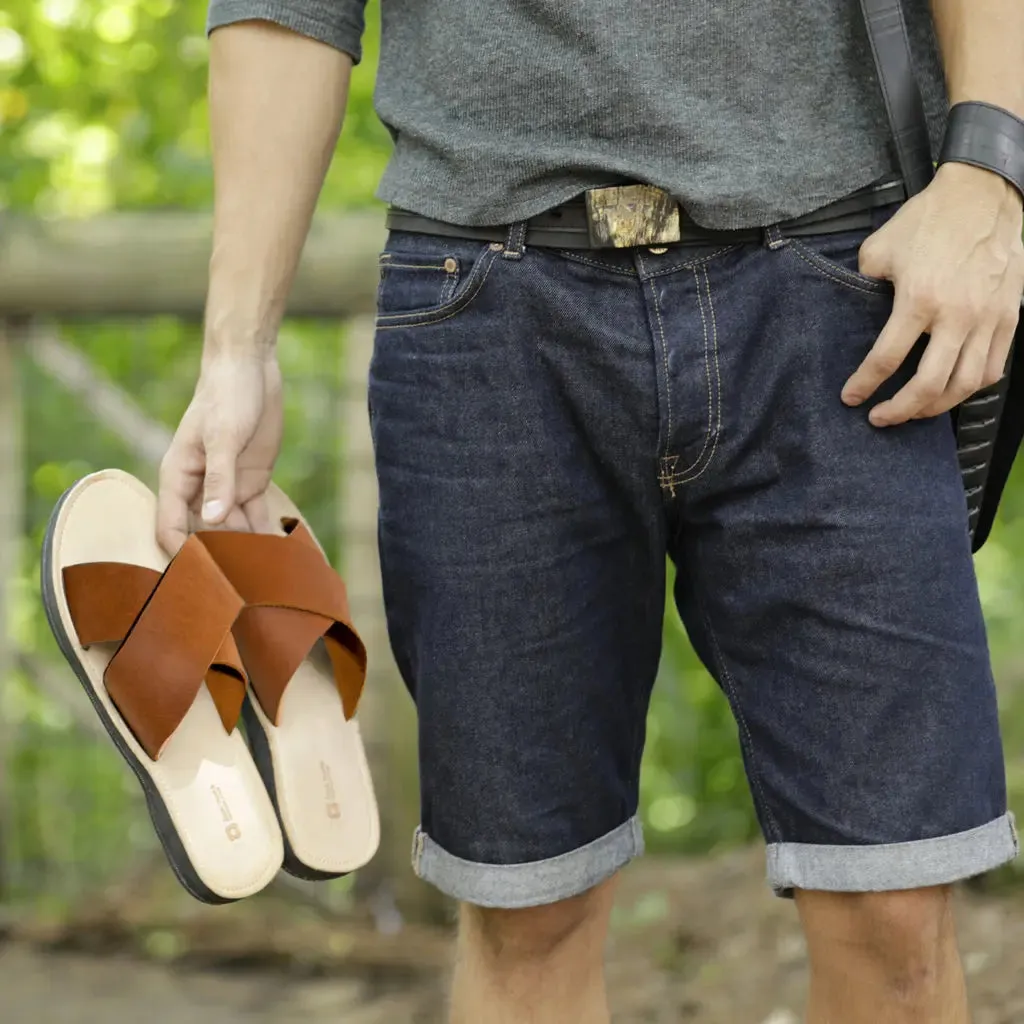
(388, 265)
(833, 273)
(699, 262)
(688, 265)
(451, 285)
(596, 263)
(729, 686)
(666, 459)
(514, 243)
(671, 478)
(482, 270)
(715, 404)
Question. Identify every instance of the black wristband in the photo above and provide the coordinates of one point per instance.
(986, 136)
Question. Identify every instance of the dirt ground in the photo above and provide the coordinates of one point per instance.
(700, 941)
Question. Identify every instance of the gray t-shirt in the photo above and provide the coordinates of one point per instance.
(748, 112)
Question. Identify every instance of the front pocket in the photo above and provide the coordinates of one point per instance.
(422, 287)
(836, 256)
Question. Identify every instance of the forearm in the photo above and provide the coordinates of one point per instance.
(982, 43)
(277, 100)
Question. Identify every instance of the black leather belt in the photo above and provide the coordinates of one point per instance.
(572, 225)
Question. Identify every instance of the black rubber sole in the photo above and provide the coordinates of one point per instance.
(179, 860)
(260, 749)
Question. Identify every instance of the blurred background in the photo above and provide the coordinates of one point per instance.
(105, 189)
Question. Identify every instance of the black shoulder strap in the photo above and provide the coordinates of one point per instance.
(894, 66)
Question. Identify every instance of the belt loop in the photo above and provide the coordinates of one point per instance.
(515, 242)
(773, 237)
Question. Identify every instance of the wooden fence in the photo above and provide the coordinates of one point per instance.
(150, 264)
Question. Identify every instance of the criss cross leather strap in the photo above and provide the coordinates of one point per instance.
(174, 632)
(292, 599)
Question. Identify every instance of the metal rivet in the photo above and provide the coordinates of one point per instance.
(660, 251)
(450, 265)
(497, 247)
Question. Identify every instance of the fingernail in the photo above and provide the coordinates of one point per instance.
(213, 510)
(851, 398)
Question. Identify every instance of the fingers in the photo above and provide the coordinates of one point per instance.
(219, 482)
(171, 521)
(963, 355)
(180, 484)
(258, 515)
(952, 368)
(981, 364)
(958, 362)
(909, 320)
(969, 374)
(236, 520)
(250, 517)
(999, 354)
(949, 360)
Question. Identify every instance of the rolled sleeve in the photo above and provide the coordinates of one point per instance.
(339, 23)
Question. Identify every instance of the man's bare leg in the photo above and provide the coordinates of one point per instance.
(883, 958)
(542, 965)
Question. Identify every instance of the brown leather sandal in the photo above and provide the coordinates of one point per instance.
(306, 668)
(151, 644)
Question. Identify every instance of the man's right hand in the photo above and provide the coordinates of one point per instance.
(218, 467)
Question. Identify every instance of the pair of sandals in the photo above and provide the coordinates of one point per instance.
(173, 653)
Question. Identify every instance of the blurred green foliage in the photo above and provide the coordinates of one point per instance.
(102, 106)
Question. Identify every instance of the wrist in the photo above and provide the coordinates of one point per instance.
(989, 140)
(225, 345)
(238, 326)
(244, 306)
(980, 182)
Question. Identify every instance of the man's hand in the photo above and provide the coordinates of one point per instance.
(219, 464)
(276, 105)
(955, 257)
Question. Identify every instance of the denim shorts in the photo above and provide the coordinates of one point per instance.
(548, 427)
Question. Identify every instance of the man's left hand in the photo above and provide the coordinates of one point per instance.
(955, 257)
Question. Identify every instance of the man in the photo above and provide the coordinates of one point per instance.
(555, 409)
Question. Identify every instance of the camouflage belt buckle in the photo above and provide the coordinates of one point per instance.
(622, 216)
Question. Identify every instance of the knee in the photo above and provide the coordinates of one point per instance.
(539, 933)
(906, 939)
(910, 925)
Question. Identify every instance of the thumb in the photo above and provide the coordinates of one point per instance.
(219, 482)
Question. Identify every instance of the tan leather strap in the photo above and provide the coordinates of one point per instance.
(105, 599)
(292, 599)
(174, 631)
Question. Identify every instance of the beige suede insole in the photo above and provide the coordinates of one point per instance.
(325, 795)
